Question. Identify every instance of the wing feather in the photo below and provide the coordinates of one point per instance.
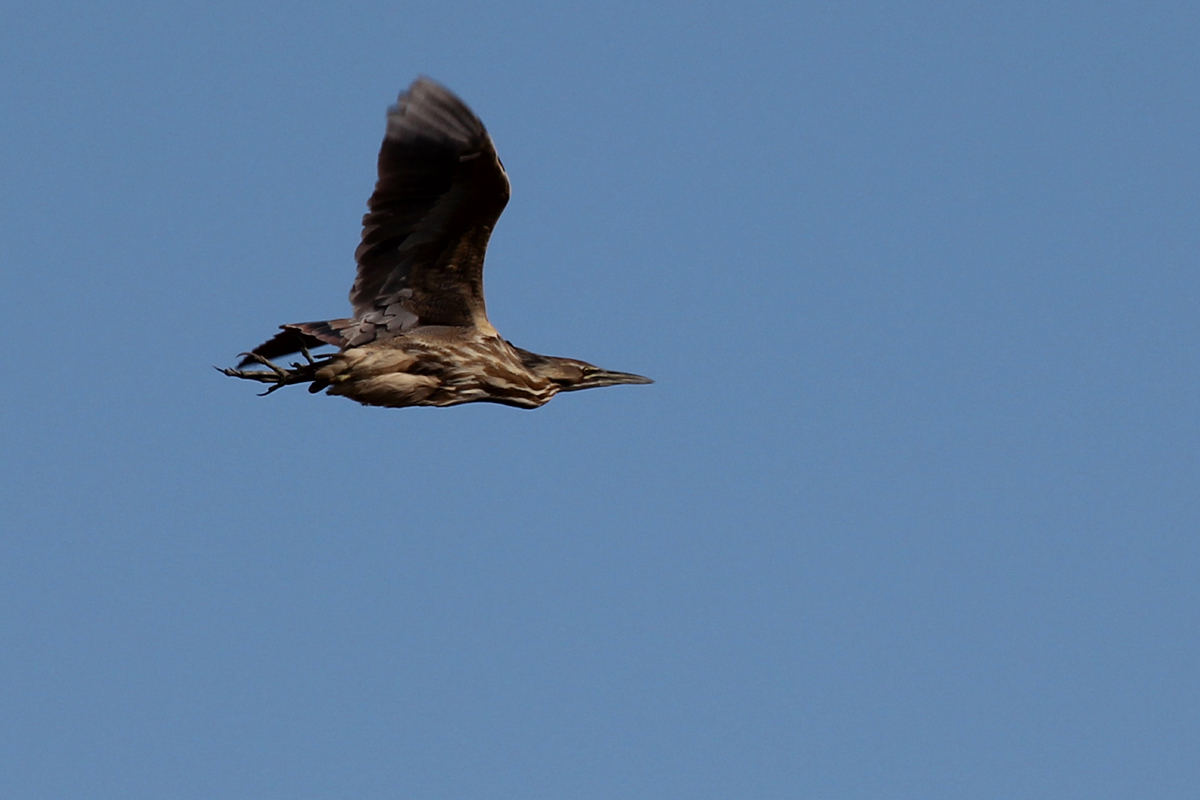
(441, 189)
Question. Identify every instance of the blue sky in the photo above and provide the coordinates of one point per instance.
(911, 511)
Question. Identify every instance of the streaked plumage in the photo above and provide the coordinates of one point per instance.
(419, 334)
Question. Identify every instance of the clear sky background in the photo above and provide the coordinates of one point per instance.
(911, 511)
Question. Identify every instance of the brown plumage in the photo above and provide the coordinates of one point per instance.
(420, 333)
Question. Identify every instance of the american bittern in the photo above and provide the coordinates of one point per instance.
(420, 335)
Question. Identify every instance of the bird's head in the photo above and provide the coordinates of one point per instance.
(572, 375)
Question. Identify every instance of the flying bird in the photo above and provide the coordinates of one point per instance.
(419, 334)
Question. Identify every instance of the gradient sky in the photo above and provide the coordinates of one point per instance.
(911, 511)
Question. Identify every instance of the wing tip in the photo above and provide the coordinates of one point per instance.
(427, 108)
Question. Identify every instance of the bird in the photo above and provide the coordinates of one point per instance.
(419, 334)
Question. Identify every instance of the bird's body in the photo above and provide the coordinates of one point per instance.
(436, 366)
(420, 333)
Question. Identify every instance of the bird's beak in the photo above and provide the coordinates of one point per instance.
(603, 377)
(624, 377)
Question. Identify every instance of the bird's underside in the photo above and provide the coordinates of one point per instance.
(419, 334)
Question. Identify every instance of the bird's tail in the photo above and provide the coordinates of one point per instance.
(299, 336)
(277, 377)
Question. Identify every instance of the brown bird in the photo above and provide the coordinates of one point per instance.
(420, 335)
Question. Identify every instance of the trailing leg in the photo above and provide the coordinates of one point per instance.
(275, 375)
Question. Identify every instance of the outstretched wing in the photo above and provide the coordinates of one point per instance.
(441, 189)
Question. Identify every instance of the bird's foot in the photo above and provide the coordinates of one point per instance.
(275, 375)
(307, 357)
